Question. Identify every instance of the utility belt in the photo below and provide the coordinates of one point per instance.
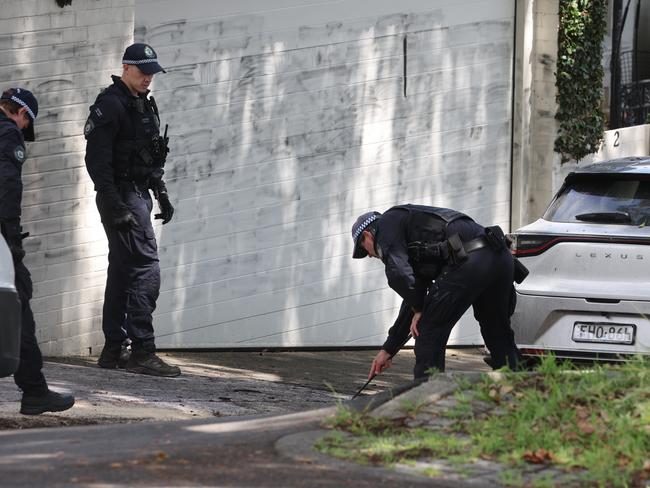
(454, 251)
(149, 178)
(450, 251)
(136, 185)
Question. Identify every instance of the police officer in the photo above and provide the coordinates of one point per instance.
(18, 110)
(125, 155)
(440, 262)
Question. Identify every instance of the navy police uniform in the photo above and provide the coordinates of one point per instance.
(28, 377)
(441, 262)
(37, 398)
(125, 155)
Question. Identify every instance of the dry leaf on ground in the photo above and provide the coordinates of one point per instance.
(538, 456)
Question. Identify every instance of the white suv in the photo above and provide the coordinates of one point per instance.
(588, 291)
(10, 313)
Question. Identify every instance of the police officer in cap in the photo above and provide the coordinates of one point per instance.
(125, 156)
(440, 262)
(18, 110)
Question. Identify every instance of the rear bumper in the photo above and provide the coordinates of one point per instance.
(9, 332)
(546, 323)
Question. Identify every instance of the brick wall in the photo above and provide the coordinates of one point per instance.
(64, 56)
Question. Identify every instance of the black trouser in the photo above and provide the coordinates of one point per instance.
(133, 281)
(484, 282)
(28, 376)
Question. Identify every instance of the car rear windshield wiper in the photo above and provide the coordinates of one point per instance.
(622, 217)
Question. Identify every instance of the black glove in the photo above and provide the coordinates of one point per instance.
(166, 208)
(15, 244)
(17, 252)
(124, 220)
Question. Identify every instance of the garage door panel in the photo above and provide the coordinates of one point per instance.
(288, 120)
(334, 141)
(207, 176)
(198, 102)
(305, 134)
(240, 220)
(213, 60)
(164, 21)
(241, 78)
(485, 178)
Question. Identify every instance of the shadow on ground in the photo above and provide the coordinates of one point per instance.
(215, 384)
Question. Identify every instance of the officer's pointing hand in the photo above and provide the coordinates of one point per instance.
(414, 324)
(381, 362)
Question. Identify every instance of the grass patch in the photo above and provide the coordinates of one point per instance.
(594, 424)
(431, 472)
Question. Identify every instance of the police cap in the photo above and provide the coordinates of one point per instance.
(25, 99)
(144, 57)
(359, 226)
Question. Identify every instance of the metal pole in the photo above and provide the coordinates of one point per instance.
(408, 338)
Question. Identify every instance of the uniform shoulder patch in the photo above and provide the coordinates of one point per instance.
(88, 128)
(20, 154)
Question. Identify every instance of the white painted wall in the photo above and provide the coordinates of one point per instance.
(617, 143)
(535, 127)
(64, 56)
(287, 120)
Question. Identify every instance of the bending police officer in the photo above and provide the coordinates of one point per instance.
(440, 262)
(125, 155)
(18, 110)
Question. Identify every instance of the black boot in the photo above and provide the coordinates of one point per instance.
(144, 362)
(519, 362)
(50, 402)
(115, 354)
(489, 361)
(514, 359)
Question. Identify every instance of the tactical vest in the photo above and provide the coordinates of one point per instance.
(428, 225)
(137, 154)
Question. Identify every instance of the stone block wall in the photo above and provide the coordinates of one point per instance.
(65, 56)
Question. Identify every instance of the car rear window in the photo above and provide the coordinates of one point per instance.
(605, 199)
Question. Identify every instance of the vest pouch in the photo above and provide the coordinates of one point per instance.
(145, 156)
(457, 254)
(428, 252)
(495, 237)
(521, 271)
(424, 227)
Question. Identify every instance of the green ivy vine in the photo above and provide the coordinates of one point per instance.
(579, 78)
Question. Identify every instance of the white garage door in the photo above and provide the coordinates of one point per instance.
(288, 119)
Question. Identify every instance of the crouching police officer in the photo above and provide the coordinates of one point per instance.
(18, 110)
(125, 155)
(440, 262)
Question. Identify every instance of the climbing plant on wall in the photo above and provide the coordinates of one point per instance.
(579, 77)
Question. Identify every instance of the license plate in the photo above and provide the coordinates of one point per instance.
(605, 333)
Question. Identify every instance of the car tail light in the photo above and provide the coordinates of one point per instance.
(530, 244)
(522, 245)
